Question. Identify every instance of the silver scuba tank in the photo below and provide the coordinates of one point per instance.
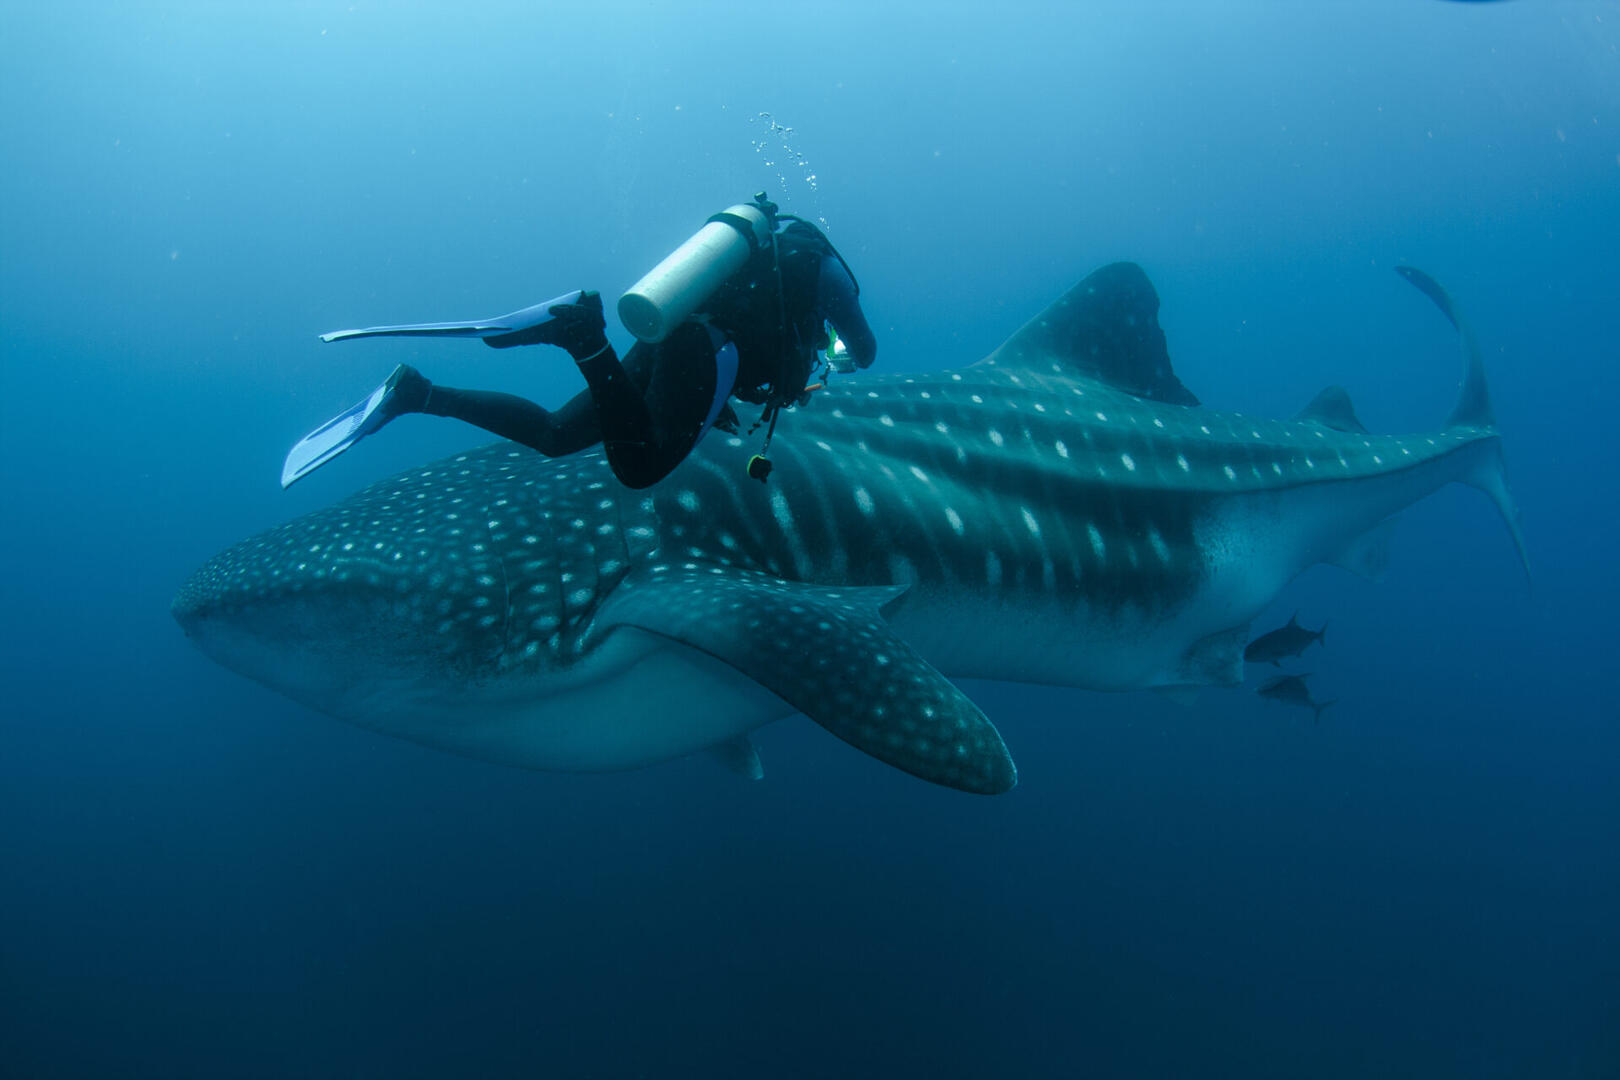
(691, 273)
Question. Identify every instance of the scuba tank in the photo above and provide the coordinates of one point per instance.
(690, 274)
(702, 271)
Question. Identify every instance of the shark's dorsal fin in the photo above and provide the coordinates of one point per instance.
(1332, 408)
(1105, 328)
(827, 653)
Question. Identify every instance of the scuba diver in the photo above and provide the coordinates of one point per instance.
(740, 309)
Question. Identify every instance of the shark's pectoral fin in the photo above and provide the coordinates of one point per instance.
(739, 756)
(1368, 554)
(827, 653)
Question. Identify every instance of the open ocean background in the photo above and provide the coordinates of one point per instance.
(199, 878)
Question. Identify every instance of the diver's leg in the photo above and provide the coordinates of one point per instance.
(652, 410)
(406, 390)
(648, 412)
(574, 323)
(553, 432)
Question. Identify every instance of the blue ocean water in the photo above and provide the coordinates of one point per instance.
(201, 878)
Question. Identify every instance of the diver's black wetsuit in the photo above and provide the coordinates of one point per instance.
(650, 411)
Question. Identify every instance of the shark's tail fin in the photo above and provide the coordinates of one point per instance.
(1473, 409)
(1490, 476)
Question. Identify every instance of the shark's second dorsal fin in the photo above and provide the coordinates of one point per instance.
(1105, 328)
(1332, 407)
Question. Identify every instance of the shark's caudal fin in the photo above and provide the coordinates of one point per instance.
(827, 653)
(1474, 401)
(1473, 408)
(1105, 328)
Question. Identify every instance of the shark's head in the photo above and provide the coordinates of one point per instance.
(349, 608)
(523, 610)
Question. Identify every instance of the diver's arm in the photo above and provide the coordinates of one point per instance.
(841, 306)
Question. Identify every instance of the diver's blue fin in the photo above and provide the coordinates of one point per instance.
(499, 326)
(341, 432)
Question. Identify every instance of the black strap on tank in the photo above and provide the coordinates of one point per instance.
(742, 225)
(759, 466)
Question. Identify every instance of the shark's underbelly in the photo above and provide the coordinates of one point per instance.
(639, 699)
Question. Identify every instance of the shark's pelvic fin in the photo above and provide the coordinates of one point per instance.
(1332, 408)
(1105, 328)
(1368, 554)
(1185, 697)
(739, 756)
(1474, 408)
(1215, 660)
(827, 653)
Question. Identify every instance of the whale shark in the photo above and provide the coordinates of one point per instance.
(1062, 512)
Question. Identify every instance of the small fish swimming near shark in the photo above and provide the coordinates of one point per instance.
(1275, 646)
(1062, 512)
(1291, 690)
